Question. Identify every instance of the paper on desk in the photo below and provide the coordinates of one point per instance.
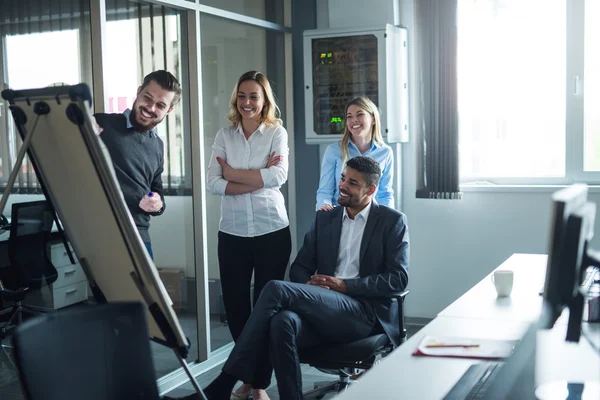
(481, 348)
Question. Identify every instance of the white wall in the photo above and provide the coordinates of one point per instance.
(454, 244)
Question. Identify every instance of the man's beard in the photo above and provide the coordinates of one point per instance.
(346, 201)
(136, 125)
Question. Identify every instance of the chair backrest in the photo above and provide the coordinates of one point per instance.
(96, 352)
(31, 224)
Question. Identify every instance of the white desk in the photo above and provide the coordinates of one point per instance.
(402, 376)
(479, 314)
(524, 303)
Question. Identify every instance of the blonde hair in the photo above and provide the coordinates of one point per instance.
(366, 104)
(270, 112)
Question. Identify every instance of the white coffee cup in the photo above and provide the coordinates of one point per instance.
(503, 281)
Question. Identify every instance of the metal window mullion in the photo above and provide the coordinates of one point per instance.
(217, 12)
(191, 22)
(167, 125)
(574, 121)
(140, 40)
(4, 139)
(97, 37)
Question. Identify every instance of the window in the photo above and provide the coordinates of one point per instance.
(141, 38)
(592, 87)
(41, 45)
(520, 91)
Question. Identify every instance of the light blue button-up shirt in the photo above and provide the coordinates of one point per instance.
(331, 171)
(127, 114)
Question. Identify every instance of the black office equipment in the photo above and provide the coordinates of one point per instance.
(29, 267)
(572, 228)
(475, 382)
(569, 255)
(91, 353)
(76, 171)
(344, 359)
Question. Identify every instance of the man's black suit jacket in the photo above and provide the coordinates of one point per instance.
(384, 255)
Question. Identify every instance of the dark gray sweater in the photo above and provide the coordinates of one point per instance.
(138, 160)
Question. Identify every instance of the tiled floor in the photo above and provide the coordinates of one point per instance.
(10, 388)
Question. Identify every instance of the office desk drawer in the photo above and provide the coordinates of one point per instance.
(68, 275)
(59, 256)
(67, 295)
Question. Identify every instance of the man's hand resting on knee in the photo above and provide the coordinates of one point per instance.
(328, 282)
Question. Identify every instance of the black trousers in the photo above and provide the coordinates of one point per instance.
(289, 316)
(266, 255)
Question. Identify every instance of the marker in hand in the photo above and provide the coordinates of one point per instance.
(151, 203)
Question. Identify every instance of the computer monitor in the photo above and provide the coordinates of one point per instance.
(568, 257)
(572, 227)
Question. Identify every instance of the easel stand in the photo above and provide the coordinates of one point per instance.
(168, 331)
(40, 108)
(20, 120)
(155, 310)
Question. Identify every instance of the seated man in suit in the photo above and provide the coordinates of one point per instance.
(352, 260)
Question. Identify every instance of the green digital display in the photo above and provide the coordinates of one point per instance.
(326, 58)
(343, 67)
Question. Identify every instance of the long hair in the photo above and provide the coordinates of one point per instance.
(366, 104)
(270, 112)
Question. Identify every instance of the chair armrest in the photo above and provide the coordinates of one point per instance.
(399, 297)
(4, 289)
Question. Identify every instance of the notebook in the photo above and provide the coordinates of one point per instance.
(444, 346)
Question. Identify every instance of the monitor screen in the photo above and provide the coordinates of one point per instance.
(564, 203)
(569, 257)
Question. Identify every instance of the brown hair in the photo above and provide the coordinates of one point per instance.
(167, 81)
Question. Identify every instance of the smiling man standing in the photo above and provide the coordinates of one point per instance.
(136, 150)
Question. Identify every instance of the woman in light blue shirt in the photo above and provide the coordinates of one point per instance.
(362, 136)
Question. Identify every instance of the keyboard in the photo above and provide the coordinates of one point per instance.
(475, 381)
(591, 277)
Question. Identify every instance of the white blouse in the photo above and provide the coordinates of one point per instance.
(263, 210)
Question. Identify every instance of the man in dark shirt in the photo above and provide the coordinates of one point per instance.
(136, 150)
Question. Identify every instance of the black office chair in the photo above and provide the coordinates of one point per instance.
(29, 266)
(345, 359)
(3, 223)
(100, 352)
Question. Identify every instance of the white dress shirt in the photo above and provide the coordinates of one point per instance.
(348, 262)
(263, 210)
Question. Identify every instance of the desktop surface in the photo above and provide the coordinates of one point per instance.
(524, 304)
(479, 314)
(401, 375)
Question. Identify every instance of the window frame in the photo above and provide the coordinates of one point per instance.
(574, 116)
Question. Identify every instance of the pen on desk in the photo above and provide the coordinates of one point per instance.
(442, 345)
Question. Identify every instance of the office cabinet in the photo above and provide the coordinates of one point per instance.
(70, 287)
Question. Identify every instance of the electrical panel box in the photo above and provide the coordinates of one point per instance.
(340, 64)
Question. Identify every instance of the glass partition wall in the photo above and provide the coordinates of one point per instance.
(229, 49)
(207, 45)
(141, 38)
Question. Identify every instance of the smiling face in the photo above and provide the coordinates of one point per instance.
(151, 106)
(250, 100)
(359, 122)
(355, 193)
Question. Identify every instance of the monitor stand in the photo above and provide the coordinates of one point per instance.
(564, 390)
